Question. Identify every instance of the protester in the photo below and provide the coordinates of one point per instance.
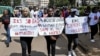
(72, 37)
(93, 22)
(75, 9)
(31, 12)
(16, 13)
(34, 13)
(57, 13)
(26, 41)
(87, 11)
(45, 13)
(51, 40)
(40, 13)
(5, 19)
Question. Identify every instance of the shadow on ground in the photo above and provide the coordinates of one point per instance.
(34, 53)
(62, 44)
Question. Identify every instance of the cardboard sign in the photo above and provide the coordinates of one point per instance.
(51, 26)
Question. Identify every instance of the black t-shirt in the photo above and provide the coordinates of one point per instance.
(6, 19)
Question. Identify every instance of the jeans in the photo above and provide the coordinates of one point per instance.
(99, 27)
(52, 44)
(94, 30)
(8, 33)
(26, 44)
(72, 38)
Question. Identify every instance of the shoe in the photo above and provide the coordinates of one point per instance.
(73, 53)
(7, 44)
(92, 40)
(69, 53)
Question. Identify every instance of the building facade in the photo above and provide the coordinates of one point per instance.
(39, 3)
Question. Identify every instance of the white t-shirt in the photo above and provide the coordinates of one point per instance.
(34, 14)
(31, 13)
(69, 17)
(93, 18)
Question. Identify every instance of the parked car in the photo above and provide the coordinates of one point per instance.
(18, 7)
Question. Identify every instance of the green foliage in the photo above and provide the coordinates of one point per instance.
(8, 2)
(58, 3)
(72, 2)
(61, 3)
(17, 2)
(5, 2)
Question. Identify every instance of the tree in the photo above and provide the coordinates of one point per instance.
(5, 3)
(61, 2)
(51, 3)
(17, 2)
(72, 2)
(8, 2)
(58, 2)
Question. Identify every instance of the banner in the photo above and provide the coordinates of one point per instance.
(76, 25)
(23, 27)
(51, 26)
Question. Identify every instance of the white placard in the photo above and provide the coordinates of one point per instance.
(76, 25)
(51, 26)
(23, 27)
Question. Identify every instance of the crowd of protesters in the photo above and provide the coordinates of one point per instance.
(93, 15)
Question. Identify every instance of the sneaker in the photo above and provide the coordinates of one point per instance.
(69, 53)
(92, 40)
(73, 53)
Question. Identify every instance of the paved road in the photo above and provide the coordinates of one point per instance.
(39, 46)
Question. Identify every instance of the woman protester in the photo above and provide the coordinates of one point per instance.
(5, 19)
(72, 38)
(51, 40)
(26, 41)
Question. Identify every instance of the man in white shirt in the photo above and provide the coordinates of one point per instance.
(34, 13)
(93, 22)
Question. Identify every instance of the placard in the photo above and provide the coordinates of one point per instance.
(24, 27)
(76, 25)
(51, 26)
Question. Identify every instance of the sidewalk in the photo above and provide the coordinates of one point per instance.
(93, 48)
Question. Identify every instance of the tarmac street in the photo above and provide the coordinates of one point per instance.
(39, 46)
